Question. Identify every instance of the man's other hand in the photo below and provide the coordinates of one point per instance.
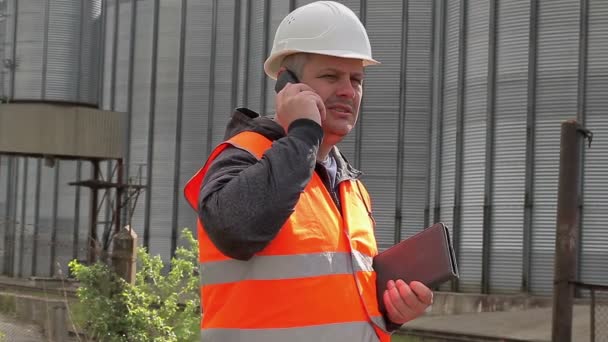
(405, 302)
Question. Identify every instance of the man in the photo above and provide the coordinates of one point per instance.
(285, 226)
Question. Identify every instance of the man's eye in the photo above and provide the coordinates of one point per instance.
(357, 81)
(331, 77)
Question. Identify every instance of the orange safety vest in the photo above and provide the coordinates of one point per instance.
(313, 282)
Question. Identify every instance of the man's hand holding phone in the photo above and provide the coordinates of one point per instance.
(297, 101)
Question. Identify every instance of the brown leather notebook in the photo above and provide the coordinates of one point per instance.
(427, 257)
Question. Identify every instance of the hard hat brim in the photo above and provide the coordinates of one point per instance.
(273, 63)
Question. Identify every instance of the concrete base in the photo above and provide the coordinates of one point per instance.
(451, 303)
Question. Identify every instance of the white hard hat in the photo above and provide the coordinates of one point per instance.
(322, 27)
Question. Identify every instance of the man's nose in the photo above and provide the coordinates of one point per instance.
(346, 89)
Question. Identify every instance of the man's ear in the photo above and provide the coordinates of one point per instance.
(281, 69)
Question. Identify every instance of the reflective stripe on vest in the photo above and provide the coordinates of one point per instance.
(313, 279)
(284, 267)
(355, 332)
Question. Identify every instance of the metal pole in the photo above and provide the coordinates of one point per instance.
(567, 232)
(592, 315)
(92, 238)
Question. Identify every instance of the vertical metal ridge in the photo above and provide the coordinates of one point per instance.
(459, 134)
(247, 46)
(76, 233)
(36, 217)
(23, 211)
(153, 76)
(80, 37)
(292, 5)
(9, 243)
(101, 47)
(14, 47)
(265, 48)
(359, 127)
(212, 57)
(178, 127)
(440, 87)
(401, 121)
(581, 116)
(14, 190)
(427, 199)
(489, 171)
(236, 53)
(114, 54)
(54, 218)
(45, 48)
(129, 119)
(530, 147)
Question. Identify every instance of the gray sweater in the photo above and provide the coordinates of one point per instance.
(244, 201)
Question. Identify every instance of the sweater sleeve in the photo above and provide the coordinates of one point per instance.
(244, 202)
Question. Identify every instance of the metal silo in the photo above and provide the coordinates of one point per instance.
(512, 71)
(50, 50)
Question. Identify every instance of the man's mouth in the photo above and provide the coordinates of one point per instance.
(341, 109)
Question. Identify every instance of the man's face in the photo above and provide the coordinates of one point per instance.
(339, 83)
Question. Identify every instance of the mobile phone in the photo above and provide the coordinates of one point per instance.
(285, 77)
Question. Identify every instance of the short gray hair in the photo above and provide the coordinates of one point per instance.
(295, 62)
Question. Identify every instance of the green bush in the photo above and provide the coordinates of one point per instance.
(156, 308)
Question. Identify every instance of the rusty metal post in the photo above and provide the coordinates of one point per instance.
(92, 238)
(568, 230)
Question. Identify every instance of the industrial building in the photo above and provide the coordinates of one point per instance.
(460, 123)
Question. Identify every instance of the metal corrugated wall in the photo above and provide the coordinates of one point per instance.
(595, 212)
(474, 143)
(196, 90)
(51, 47)
(508, 188)
(415, 109)
(556, 100)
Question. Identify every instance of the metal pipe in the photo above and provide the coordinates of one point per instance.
(36, 217)
(54, 219)
(427, 200)
(130, 85)
(459, 134)
(359, 127)
(178, 127)
(114, 55)
(24, 207)
(14, 47)
(580, 113)
(235, 54)
(76, 233)
(45, 48)
(530, 149)
(211, 93)
(247, 49)
(489, 170)
(92, 237)
(439, 107)
(153, 76)
(401, 124)
(101, 47)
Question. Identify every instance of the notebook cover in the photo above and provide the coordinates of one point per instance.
(427, 257)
